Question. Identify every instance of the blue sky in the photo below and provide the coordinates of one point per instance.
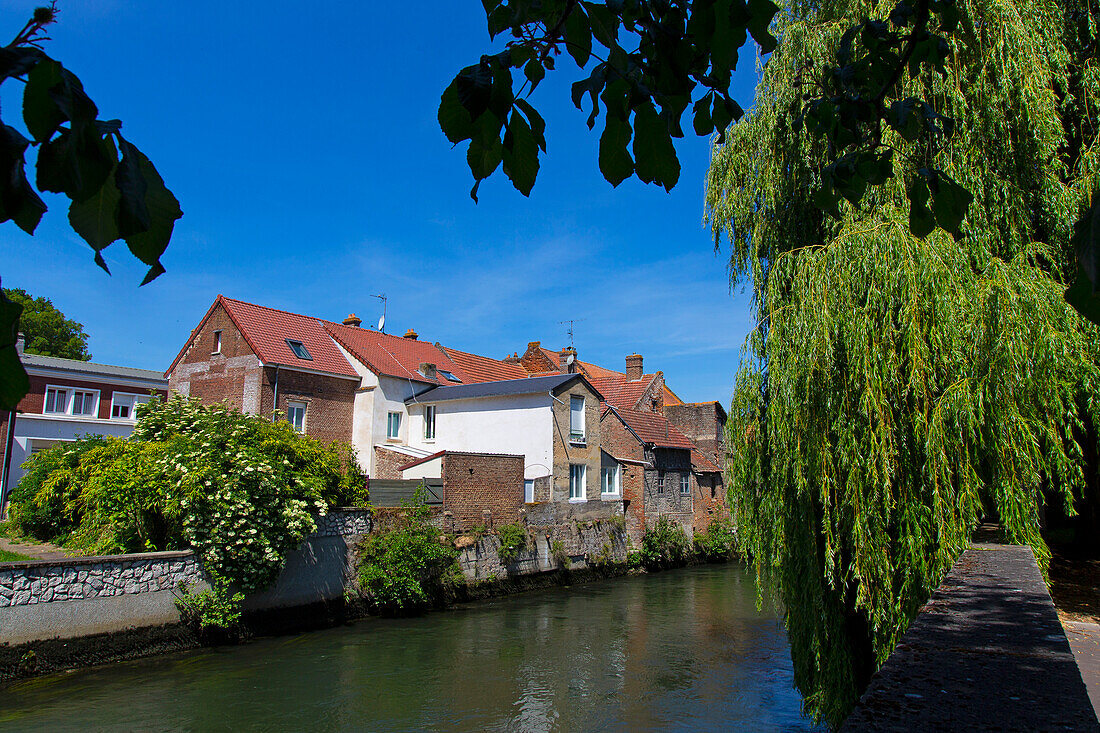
(302, 143)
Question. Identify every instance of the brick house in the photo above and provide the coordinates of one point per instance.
(67, 399)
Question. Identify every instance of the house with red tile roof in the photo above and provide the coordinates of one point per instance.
(397, 400)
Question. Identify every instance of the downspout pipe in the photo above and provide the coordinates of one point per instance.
(275, 397)
(9, 440)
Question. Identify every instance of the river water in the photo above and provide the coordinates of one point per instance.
(679, 650)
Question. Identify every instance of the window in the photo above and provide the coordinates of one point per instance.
(449, 376)
(660, 483)
(393, 425)
(610, 481)
(217, 342)
(685, 485)
(85, 402)
(57, 400)
(124, 406)
(576, 418)
(296, 415)
(528, 490)
(576, 482)
(429, 422)
(299, 350)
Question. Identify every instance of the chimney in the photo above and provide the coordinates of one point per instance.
(427, 369)
(568, 365)
(353, 320)
(411, 334)
(19, 342)
(633, 367)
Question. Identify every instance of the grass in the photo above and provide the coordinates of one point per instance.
(6, 556)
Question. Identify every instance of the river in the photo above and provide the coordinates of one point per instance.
(679, 650)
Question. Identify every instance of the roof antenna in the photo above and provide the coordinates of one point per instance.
(569, 331)
(382, 320)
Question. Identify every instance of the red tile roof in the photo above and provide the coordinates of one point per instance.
(267, 329)
(392, 356)
(702, 464)
(652, 427)
(589, 369)
(474, 368)
(621, 393)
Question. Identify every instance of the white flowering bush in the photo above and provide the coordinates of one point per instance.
(240, 490)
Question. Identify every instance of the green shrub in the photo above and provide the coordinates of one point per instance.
(238, 489)
(557, 551)
(665, 545)
(513, 540)
(405, 569)
(214, 615)
(718, 543)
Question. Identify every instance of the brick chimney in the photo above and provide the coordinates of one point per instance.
(427, 369)
(633, 367)
(568, 366)
(411, 334)
(353, 320)
(19, 343)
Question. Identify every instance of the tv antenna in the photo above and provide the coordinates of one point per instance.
(569, 331)
(382, 320)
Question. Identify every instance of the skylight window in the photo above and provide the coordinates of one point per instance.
(451, 377)
(299, 350)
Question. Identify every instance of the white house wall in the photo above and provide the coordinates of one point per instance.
(30, 428)
(513, 424)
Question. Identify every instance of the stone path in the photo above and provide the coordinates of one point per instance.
(1084, 640)
(36, 551)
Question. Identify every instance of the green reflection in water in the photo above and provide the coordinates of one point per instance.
(677, 650)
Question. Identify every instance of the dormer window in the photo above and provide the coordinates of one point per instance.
(449, 376)
(299, 350)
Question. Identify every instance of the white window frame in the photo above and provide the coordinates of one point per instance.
(528, 490)
(429, 422)
(217, 342)
(70, 401)
(67, 391)
(390, 425)
(578, 474)
(616, 482)
(132, 402)
(296, 405)
(661, 483)
(576, 436)
(685, 485)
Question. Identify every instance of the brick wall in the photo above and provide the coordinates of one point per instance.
(708, 500)
(233, 375)
(34, 401)
(566, 452)
(329, 401)
(386, 463)
(704, 423)
(474, 482)
(672, 464)
(534, 361)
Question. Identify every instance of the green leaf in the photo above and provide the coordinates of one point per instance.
(921, 220)
(163, 209)
(40, 113)
(454, 119)
(520, 154)
(133, 216)
(702, 122)
(474, 86)
(655, 158)
(76, 162)
(950, 202)
(534, 72)
(484, 155)
(578, 36)
(14, 384)
(615, 162)
(538, 125)
(19, 201)
(762, 12)
(95, 219)
(604, 23)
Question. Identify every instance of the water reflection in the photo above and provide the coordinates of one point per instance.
(677, 650)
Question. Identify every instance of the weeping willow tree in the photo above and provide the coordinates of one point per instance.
(897, 390)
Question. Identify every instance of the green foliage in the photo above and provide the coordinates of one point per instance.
(46, 330)
(665, 545)
(718, 543)
(214, 614)
(897, 388)
(406, 569)
(557, 551)
(115, 192)
(8, 556)
(238, 489)
(513, 540)
(649, 62)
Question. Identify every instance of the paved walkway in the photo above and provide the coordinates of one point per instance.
(36, 551)
(987, 652)
(1084, 640)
